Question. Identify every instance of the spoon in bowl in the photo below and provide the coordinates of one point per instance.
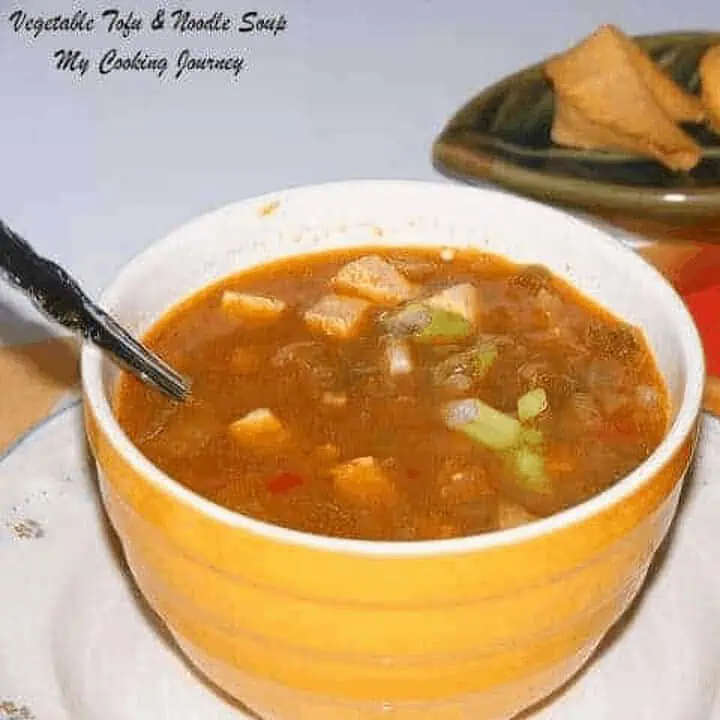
(57, 295)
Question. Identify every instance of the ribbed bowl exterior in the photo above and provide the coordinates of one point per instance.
(302, 633)
(309, 629)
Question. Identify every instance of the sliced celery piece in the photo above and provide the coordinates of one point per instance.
(489, 427)
(532, 404)
(483, 358)
(531, 436)
(444, 326)
(530, 465)
(410, 319)
(466, 365)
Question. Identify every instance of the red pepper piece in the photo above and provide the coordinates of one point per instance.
(283, 482)
(704, 304)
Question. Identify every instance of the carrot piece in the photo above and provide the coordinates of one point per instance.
(283, 482)
(703, 304)
(559, 459)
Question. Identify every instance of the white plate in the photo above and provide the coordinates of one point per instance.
(77, 644)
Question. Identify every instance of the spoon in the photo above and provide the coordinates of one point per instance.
(58, 296)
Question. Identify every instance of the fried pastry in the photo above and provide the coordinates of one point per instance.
(573, 128)
(710, 79)
(679, 104)
(603, 102)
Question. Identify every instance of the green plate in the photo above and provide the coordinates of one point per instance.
(503, 136)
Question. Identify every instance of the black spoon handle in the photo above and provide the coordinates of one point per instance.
(49, 286)
(57, 294)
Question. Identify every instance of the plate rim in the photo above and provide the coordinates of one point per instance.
(74, 413)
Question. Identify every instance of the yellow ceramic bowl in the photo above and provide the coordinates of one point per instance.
(303, 627)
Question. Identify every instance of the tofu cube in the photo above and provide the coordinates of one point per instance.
(326, 453)
(363, 481)
(253, 308)
(335, 399)
(337, 316)
(398, 359)
(375, 279)
(511, 515)
(259, 428)
(461, 299)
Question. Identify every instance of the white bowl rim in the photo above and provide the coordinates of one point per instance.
(689, 410)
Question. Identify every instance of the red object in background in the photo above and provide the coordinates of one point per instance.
(704, 304)
(697, 279)
(693, 267)
(698, 271)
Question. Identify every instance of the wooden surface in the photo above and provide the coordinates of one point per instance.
(712, 396)
(34, 378)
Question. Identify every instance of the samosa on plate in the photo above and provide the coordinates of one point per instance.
(710, 81)
(681, 105)
(603, 101)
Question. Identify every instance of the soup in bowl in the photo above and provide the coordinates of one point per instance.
(436, 436)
